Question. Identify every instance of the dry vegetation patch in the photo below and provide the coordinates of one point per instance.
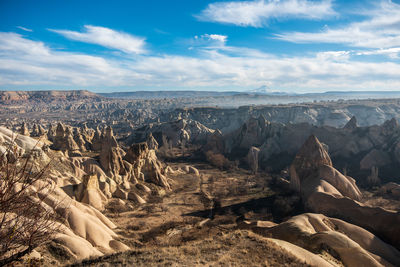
(238, 248)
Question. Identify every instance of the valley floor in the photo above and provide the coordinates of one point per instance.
(198, 223)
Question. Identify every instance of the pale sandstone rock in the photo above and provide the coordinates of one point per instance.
(355, 245)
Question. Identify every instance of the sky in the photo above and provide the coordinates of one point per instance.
(283, 45)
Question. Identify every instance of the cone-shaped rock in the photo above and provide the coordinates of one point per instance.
(310, 157)
(351, 124)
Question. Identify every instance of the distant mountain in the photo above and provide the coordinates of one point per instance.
(266, 90)
(167, 94)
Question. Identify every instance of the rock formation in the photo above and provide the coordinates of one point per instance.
(392, 189)
(215, 143)
(37, 131)
(89, 192)
(63, 139)
(97, 140)
(111, 160)
(152, 142)
(354, 245)
(357, 150)
(325, 190)
(312, 171)
(82, 230)
(351, 124)
(24, 129)
(146, 165)
(188, 131)
(252, 159)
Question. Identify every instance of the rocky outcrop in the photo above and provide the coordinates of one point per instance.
(373, 146)
(89, 192)
(392, 189)
(111, 161)
(351, 124)
(152, 142)
(177, 132)
(37, 130)
(251, 133)
(14, 145)
(252, 159)
(325, 190)
(24, 129)
(63, 140)
(97, 140)
(308, 160)
(145, 165)
(82, 230)
(80, 141)
(111, 156)
(85, 232)
(354, 245)
(312, 171)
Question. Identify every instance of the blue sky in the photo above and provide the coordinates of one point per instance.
(286, 45)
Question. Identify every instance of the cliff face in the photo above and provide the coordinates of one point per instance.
(335, 115)
(360, 150)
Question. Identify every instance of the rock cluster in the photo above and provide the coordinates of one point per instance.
(354, 245)
(145, 165)
(63, 139)
(38, 131)
(325, 190)
(176, 132)
(362, 150)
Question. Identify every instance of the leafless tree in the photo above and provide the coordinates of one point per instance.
(26, 221)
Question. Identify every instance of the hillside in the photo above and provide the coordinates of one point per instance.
(10, 97)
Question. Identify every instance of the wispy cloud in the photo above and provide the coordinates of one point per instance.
(208, 41)
(257, 13)
(106, 37)
(215, 37)
(24, 29)
(390, 52)
(25, 63)
(381, 29)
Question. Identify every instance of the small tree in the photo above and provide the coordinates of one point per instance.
(217, 159)
(26, 221)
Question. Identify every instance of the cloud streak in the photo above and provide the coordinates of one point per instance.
(106, 37)
(24, 29)
(381, 29)
(259, 12)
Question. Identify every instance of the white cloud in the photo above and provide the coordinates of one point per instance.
(26, 63)
(108, 38)
(380, 30)
(258, 12)
(334, 55)
(24, 29)
(23, 61)
(390, 52)
(208, 41)
(215, 37)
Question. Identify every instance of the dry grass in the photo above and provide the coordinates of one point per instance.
(237, 248)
